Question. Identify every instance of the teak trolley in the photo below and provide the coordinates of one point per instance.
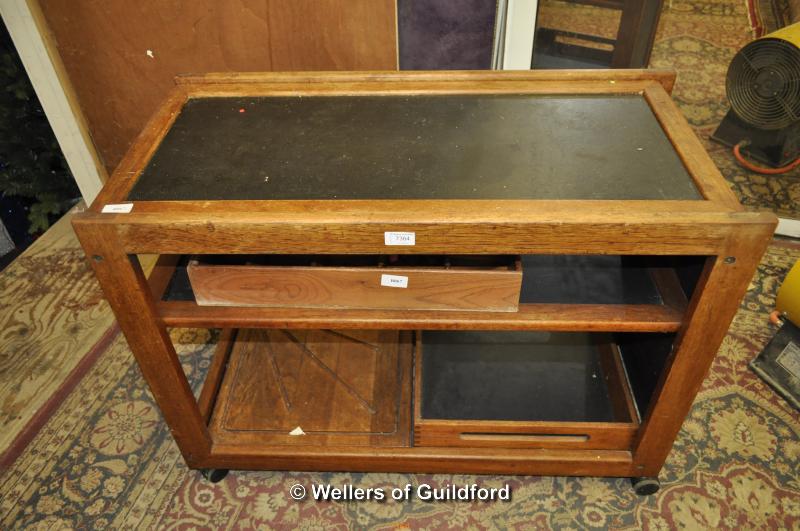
(633, 253)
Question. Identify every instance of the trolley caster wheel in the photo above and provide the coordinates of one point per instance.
(214, 475)
(645, 486)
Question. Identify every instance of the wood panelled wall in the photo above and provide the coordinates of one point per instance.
(104, 46)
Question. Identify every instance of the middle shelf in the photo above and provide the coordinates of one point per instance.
(557, 293)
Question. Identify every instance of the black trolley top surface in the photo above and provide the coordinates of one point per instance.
(415, 147)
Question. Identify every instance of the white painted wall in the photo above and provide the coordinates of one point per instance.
(25, 25)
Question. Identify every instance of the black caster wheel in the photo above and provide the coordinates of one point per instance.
(214, 475)
(645, 486)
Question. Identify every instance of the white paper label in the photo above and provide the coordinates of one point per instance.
(399, 238)
(122, 208)
(394, 281)
(789, 359)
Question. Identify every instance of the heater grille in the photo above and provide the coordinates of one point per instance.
(763, 83)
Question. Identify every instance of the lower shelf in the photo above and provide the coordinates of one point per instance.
(471, 390)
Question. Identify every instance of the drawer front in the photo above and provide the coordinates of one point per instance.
(357, 287)
(500, 434)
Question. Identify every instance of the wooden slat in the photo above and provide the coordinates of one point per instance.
(216, 372)
(707, 177)
(636, 33)
(610, 4)
(555, 317)
(578, 233)
(265, 211)
(669, 287)
(500, 439)
(546, 462)
(162, 273)
(625, 87)
(619, 390)
(453, 78)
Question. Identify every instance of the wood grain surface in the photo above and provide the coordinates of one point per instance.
(338, 388)
(488, 289)
(542, 462)
(720, 289)
(122, 56)
(565, 317)
(216, 372)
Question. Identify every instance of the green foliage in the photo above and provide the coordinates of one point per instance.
(31, 163)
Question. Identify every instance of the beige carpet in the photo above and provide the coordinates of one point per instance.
(52, 313)
(53, 321)
(105, 459)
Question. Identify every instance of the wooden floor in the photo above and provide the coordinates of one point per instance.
(52, 318)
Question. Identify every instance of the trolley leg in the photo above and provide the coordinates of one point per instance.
(214, 475)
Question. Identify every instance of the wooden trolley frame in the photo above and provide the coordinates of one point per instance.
(715, 226)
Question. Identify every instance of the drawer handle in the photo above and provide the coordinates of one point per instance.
(524, 437)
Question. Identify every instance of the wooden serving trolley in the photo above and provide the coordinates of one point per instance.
(472, 272)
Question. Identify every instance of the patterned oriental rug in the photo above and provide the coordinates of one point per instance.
(104, 458)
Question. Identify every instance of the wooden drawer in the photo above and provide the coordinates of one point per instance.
(521, 390)
(405, 282)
